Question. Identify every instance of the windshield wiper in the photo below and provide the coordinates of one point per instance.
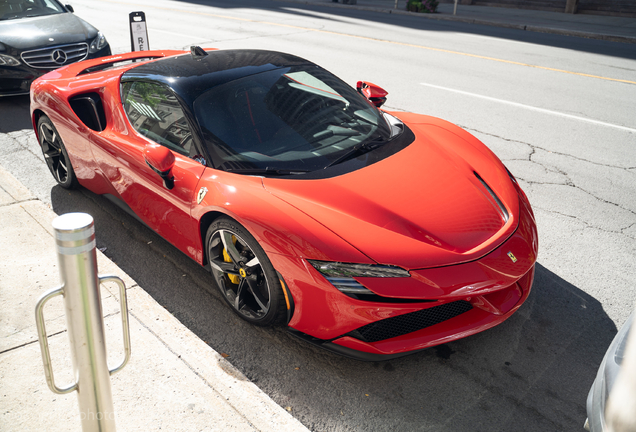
(359, 149)
(266, 171)
(333, 130)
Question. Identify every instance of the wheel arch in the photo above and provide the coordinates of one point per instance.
(204, 223)
(37, 114)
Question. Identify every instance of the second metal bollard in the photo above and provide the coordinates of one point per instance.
(75, 239)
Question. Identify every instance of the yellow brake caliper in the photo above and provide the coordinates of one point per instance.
(226, 258)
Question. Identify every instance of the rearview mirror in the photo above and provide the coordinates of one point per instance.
(374, 93)
(161, 161)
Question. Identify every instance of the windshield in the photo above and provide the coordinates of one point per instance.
(14, 9)
(292, 119)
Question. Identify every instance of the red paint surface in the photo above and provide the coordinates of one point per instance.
(422, 209)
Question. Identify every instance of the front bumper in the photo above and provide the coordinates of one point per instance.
(438, 324)
(432, 307)
(16, 80)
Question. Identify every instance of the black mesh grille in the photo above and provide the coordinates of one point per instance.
(408, 323)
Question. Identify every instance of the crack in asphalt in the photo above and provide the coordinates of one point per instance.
(567, 181)
(605, 201)
(24, 133)
(534, 147)
(628, 227)
(587, 224)
(570, 183)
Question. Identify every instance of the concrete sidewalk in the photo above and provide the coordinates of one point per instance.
(174, 381)
(610, 28)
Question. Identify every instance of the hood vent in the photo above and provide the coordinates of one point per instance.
(502, 209)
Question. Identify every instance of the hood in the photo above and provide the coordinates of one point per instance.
(442, 200)
(36, 32)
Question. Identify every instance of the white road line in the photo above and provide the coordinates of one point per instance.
(542, 110)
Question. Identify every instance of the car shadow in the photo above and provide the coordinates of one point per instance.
(623, 50)
(14, 113)
(530, 373)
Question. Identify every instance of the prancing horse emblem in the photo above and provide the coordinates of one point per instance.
(510, 254)
(201, 194)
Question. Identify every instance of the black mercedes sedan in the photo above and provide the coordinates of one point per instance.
(37, 36)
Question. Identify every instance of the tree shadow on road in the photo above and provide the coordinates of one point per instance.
(623, 50)
(530, 373)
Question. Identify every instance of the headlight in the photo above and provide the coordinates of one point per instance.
(98, 43)
(329, 268)
(341, 274)
(6, 60)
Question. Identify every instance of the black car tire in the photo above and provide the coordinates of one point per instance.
(55, 154)
(243, 273)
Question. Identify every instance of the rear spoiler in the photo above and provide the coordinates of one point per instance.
(95, 65)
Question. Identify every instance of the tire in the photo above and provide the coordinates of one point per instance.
(55, 154)
(243, 274)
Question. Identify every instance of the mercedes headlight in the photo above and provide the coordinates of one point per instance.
(341, 275)
(6, 60)
(98, 43)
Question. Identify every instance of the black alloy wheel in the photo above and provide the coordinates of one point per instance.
(243, 273)
(55, 154)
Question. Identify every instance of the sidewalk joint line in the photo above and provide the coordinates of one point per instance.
(18, 202)
(31, 342)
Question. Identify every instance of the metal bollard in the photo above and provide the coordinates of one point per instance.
(75, 239)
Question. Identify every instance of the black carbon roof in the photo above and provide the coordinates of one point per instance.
(189, 77)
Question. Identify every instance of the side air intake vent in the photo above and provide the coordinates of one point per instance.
(88, 107)
(502, 209)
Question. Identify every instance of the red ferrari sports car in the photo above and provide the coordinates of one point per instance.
(370, 233)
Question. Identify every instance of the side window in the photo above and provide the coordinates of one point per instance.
(155, 113)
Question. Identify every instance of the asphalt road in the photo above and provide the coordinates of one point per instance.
(553, 108)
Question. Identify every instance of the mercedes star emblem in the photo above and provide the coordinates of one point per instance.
(58, 56)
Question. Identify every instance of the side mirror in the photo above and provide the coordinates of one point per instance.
(161, 161)
(374, 93)
(69, 8)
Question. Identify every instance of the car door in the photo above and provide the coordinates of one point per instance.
(156, 117)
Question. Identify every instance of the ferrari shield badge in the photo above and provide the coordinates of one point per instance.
(510, 254)
(202, 193)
